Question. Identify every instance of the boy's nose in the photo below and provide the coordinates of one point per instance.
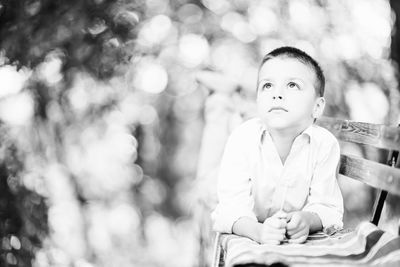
(277, 93)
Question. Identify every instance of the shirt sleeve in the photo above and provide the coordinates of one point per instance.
(325, 198)
(233, 188)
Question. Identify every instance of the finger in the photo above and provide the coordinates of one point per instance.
(289, 216)
(293, 230)
(298, 234)
(276, 223)
(270, 229)
(280, 215)
(273, 236)
(293, 224)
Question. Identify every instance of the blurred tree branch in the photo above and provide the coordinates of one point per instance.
(56, 40)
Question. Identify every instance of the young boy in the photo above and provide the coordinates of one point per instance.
(277, 177)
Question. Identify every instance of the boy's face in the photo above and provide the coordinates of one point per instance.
(286, 97)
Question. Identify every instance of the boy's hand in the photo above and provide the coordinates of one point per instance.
(273, 229)
(298, 227)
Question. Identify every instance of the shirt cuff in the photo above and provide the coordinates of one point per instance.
(328, 216)
(223, 221)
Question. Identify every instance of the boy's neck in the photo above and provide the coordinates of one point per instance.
(283, 140)
(285, 134)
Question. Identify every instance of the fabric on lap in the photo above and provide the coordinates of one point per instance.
(366, 245)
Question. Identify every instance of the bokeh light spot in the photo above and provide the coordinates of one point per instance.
(50, 69)
(15, 243)
(17, 109)
(190, 13)
(12, 81)
(193, 49)
(155, 30)
(262, 20)
(151, 77)
(217, 6)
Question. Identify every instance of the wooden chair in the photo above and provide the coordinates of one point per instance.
(383, 176)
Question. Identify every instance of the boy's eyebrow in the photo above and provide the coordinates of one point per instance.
(296, 78)
(290, 78)
(264, 80)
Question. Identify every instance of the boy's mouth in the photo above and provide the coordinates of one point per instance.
(280, 109)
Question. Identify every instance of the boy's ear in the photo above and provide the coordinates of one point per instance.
(318, 107)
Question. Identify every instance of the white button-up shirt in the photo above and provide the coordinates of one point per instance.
(254, 183)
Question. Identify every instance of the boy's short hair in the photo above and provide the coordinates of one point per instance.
(292, 52)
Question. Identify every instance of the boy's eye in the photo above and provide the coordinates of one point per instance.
(267, 86)
(293, 85)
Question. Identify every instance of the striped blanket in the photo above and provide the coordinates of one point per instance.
(365, 246)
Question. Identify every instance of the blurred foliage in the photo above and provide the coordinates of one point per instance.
(21, 230)
(102, 114)
(90, 34)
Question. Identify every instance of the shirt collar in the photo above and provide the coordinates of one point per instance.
(308, 133)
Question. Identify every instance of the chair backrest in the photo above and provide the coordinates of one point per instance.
(384, 176)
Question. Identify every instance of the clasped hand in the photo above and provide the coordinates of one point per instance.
(293, 227)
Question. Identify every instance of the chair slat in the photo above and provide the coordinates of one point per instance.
(216, 250)
(377, 135)
(372, 173)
